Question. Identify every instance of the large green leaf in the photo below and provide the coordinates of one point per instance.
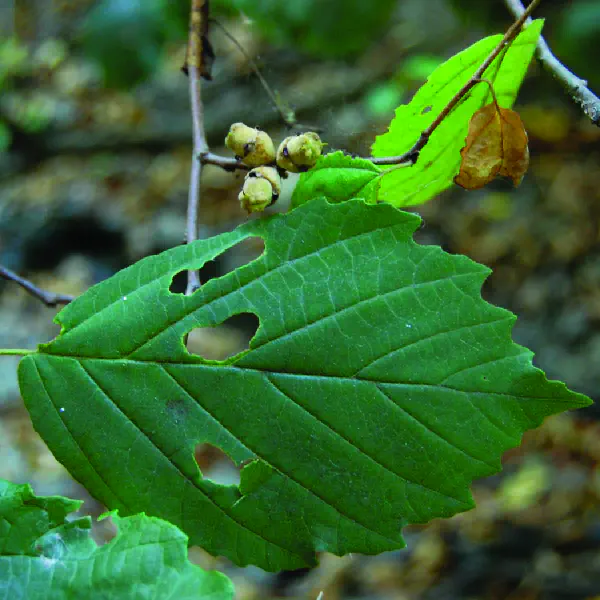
(44, 555)
(439, 161)
(378, 385)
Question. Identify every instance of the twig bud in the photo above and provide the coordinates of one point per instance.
(262, 187)
(299, 153)
(254, 147)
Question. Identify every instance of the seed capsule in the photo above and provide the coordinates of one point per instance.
(252, 146)
(299, 153)
(262, 187)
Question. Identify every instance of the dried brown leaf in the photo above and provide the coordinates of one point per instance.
(515, 149)
(496, 144)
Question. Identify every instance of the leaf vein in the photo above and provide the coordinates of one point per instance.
(183, 476)
(72, 437)
(425, 339)
(299, 483)
(434, 432)
(364, 452)
(354, 305)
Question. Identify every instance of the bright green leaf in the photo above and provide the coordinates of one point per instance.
(378, 385)
(45, 555)
(338, 177)
(439, 161)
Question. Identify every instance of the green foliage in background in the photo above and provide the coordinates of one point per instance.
(31, 111)
(377, 387)
(45, 554)
(126, 38)
(335, 28)
(439, 161)
(578, 37)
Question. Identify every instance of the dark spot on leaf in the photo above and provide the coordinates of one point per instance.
(216, 465)
(224, 340)
(177, 409)
(426, 110)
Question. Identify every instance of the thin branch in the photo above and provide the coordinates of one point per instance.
(195, 68)
(576, 87)
(229, 164)
(50, 299)
(200, 147)
(413, 154)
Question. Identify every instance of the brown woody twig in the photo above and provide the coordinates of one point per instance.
(50, 299)
(413, 154)
(576, 87)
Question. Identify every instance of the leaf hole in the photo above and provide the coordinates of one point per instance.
(216, 465)
(239, 255)
(426, 110)
(225, 340)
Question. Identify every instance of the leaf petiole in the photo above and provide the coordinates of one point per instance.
(15, 352)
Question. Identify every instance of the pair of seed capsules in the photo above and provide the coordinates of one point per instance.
(255, 148)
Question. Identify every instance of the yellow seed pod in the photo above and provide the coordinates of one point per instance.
(271, 175)
(254, 147)
(299, 153)
(262, 187)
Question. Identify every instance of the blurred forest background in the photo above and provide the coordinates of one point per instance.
(95, 151)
